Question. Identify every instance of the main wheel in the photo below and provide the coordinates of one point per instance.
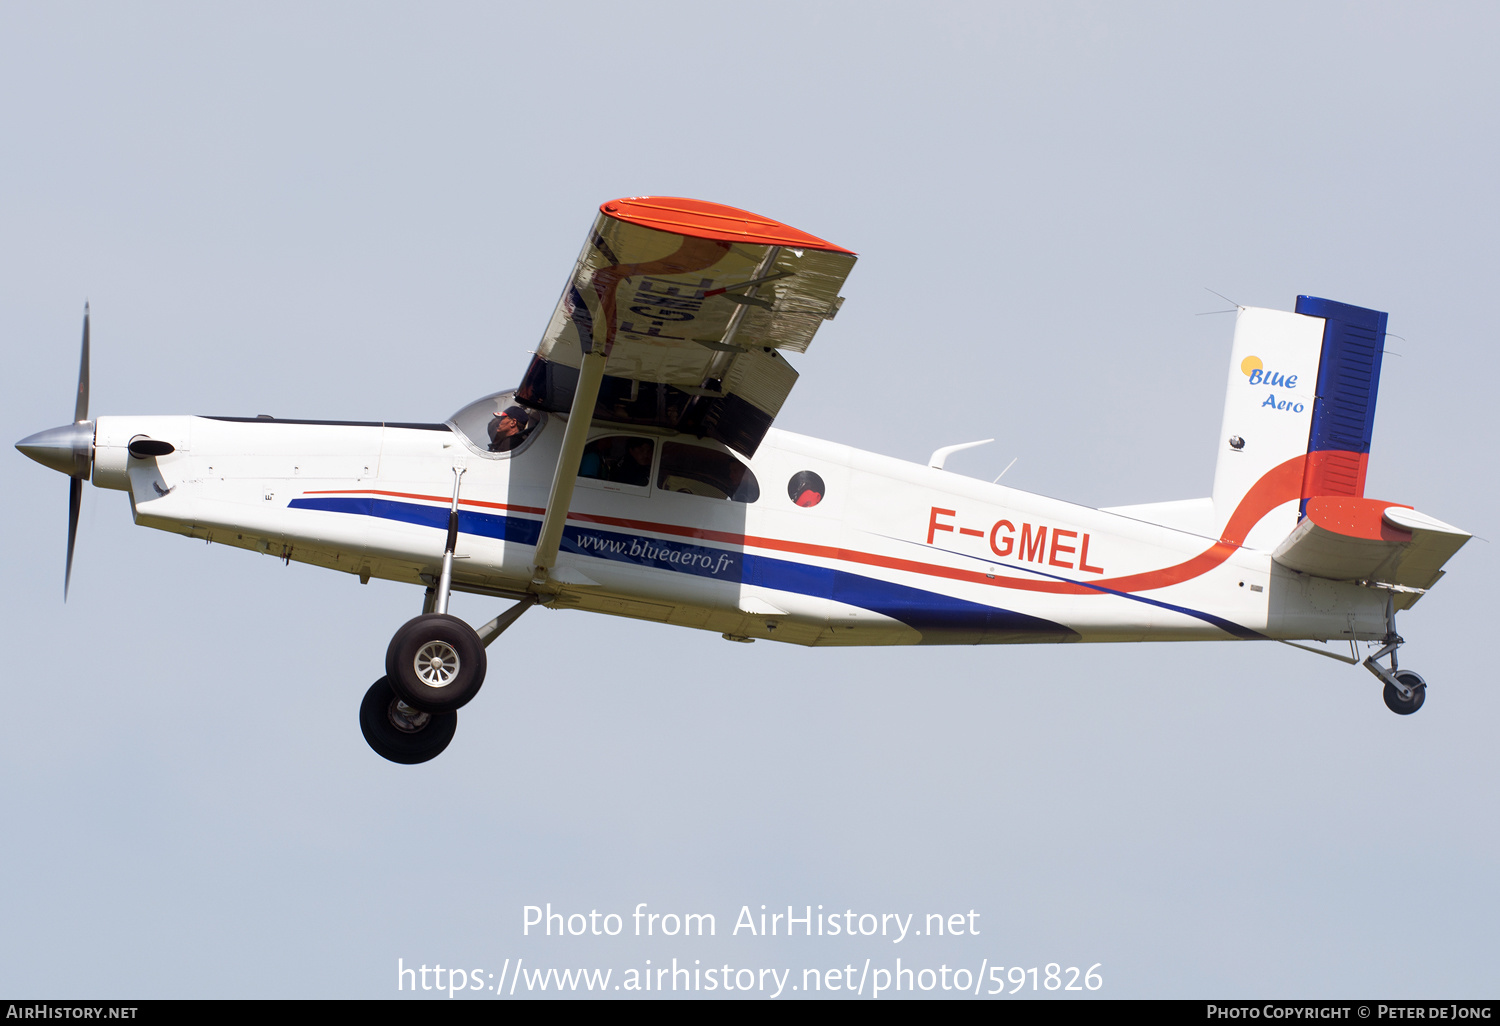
(400, 733)
(435, 663)
(1404, 706)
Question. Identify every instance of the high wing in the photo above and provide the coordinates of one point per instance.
(690, 303)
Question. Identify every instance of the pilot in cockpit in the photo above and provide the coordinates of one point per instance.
(508, 428)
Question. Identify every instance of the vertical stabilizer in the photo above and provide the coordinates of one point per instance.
(1268, 413)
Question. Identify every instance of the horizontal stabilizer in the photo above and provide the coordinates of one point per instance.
(1346, 538)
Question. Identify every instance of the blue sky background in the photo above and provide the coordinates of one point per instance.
(365, 211)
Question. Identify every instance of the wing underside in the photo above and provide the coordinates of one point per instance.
(693, 305)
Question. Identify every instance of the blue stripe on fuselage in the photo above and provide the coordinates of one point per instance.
(939, 618)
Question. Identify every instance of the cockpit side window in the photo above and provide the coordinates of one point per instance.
(698, 470)
(496, 425)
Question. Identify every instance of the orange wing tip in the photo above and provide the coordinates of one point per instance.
(711, 221)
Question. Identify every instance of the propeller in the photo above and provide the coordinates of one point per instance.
(70, 450)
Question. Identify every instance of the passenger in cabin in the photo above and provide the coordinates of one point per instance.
(619, 459)
(635, 469)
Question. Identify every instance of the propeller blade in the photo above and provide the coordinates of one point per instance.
(81, 408)
(75, 503)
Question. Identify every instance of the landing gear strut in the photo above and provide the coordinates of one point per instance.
(435, 662)
(1405, 691)
(434, 666)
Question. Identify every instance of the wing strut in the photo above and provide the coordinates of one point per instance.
(726, 348)
(580, 416)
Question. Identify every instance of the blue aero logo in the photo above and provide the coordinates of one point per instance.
(1257, 374)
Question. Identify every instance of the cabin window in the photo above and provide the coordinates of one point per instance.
(619, 459)
(806, 488)
(497, 426)
(697, 470)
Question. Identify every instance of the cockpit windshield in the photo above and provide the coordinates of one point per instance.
(497, 426)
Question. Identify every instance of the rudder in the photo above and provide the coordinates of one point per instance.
(1338, 445)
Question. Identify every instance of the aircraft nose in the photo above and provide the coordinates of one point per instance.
(67, 449)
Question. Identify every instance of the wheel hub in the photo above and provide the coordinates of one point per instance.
(436, 664)
(406, 719)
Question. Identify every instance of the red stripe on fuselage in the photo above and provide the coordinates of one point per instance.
(1278, 485)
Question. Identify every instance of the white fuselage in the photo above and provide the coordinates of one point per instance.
(895, 553)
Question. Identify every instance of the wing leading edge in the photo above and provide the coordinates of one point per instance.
(691, 304)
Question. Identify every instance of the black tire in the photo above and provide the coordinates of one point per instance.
(1401, 706)
(387, 731)
(451, 639)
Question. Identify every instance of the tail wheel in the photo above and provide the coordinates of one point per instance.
(435, 663)
(1406, 706)
(400, 733)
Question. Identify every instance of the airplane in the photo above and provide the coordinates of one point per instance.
(635, 471)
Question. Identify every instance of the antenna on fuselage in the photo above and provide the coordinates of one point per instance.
(940, 456)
